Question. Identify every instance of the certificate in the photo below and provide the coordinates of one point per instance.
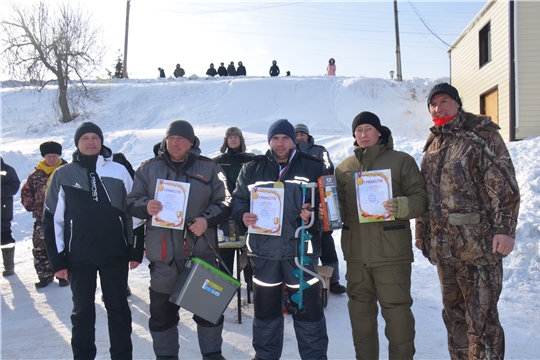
(267, 204)
(373, 189)
(173, 195)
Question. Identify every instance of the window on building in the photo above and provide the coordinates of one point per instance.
(485, 44)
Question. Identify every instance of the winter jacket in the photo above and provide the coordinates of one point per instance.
(34, 189)
(318, 151)
(231, 70)
(331, 70)
(241, 70)
(222, 71)
(179, 72)
(167, 249)
(386, 242)
(10, 186)
(472, 189)
(211, 72)
(274, 70)
(85, 221)
(263, 171)
(232, 162)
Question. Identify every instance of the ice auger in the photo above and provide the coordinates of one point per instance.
(301, 259)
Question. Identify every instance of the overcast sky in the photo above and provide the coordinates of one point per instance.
(302, 36)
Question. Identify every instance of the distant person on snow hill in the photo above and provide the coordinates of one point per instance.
(241, 69)
(211, 71)
(178, 72)
(32, 198)
(470, 225)
(222, 71)
(331, 68)
(288, 73)
(161, 72)
(231, 70)
(274, 69)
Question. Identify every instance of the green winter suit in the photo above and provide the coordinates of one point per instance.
(379, 254)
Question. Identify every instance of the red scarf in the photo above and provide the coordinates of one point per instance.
(442, 121)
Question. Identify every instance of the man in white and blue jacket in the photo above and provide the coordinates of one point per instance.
(87, 230)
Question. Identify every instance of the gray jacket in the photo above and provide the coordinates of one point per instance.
(167, 249)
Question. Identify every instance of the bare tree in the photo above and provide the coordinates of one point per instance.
(44, 45)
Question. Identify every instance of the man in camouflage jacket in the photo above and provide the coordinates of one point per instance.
(470, 224)
(33, 198)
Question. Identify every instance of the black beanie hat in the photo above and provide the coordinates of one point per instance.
(87, 127)
(283, 127)
(444, 88)
(366, 117)
(50, 147)
(180, 128)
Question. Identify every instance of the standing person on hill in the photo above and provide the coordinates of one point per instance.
(379, 254)
(33, 198)
(470, 225)
(179, 159)
(87, 230)
(231, 70)
(241, 69)
(274, 69)
(222, 71)
(306, 143)
(233, 156)
(10, 186)
(211, 70)
(272, 257)
(331, 68)
(179, 72)
(161, 72)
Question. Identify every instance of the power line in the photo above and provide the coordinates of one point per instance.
(426, 24)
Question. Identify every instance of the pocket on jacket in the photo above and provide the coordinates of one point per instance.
(464, 219)
(396, 239)
(469, 236)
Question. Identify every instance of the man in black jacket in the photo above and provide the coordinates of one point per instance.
(222, 71)
(211, 71)
(87, 230)
(272, 257)
(10, 186)
(241, 69)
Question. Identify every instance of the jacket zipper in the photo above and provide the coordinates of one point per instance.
(70, 234)
(122, 223)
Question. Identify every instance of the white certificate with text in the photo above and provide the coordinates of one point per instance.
(267, 204)
(173, 195)
(373, 189)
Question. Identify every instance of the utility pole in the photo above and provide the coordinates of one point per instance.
(124, 71)
(398, 51)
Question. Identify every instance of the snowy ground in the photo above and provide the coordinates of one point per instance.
(134, 113)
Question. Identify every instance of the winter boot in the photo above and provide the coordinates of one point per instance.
(43, 282)
(9, 261)
(63, 282)
(210, 339)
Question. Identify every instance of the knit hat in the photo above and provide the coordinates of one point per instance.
(444, 88)
(180, 128)
(233, 131)
(50, 147)
(301, 128)
(282, 127)
(366, 117)
(87, 127)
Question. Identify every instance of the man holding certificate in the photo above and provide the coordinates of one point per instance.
(184, 197)
(268, 201)
(379, 190)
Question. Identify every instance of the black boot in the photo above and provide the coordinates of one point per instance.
(9, 261)
(43, 282)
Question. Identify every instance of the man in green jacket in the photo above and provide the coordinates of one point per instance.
(379, 254)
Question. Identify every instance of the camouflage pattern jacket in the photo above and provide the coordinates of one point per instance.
(33, 190)
(472, 189)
